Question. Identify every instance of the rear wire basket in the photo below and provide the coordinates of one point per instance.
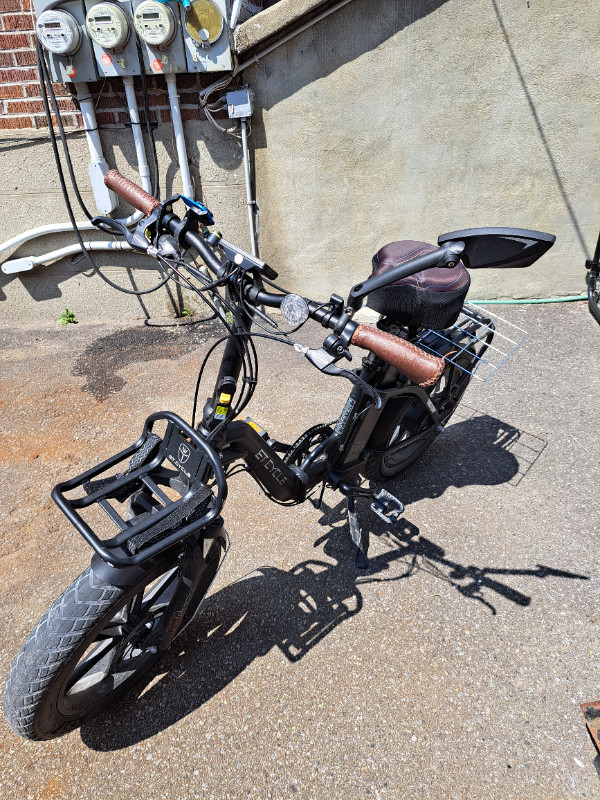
(471, 332)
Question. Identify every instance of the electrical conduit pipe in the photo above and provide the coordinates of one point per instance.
(186, 178)
(29, 262)
(97, 157)
(106, 200)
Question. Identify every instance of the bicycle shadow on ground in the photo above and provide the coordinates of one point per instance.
(290, 609)
(295, 609)
(476, 449)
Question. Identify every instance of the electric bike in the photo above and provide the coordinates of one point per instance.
(162, 498)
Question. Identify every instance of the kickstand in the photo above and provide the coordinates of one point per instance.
(360, 547)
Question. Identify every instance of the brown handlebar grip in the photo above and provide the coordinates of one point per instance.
(131, 192)
(420, 367)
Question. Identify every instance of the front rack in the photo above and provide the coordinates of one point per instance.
(179, 461)
(481, 340)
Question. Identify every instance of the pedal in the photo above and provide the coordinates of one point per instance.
(386, 506)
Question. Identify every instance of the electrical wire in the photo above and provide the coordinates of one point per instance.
(46, 88)
(219, 105)
(144, 82)
(45, 78)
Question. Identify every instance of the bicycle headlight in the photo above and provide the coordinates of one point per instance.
(294, 309)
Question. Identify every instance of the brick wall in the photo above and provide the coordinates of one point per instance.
(20, 97)
(111, 107)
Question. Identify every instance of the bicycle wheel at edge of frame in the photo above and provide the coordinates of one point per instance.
(92, 625)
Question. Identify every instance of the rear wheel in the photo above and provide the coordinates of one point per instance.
(594, 293)
(413, 430)
(93, 644)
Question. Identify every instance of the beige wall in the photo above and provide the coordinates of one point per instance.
(406, 120)
(387, 120)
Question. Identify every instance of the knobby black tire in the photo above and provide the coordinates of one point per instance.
(36, 699)
(50, 650)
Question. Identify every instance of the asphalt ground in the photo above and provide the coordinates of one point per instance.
(453, 667)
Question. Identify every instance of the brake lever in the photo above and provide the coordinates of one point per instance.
(109, 225)
(325, 363)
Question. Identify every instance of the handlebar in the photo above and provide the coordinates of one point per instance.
(131, 192)
(418, 366)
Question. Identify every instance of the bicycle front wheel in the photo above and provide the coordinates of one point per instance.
(90, 647)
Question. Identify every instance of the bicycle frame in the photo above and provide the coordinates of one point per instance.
(358, 433)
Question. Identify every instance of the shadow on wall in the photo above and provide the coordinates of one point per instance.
(326, 53)
(43, 282)
(542, 135)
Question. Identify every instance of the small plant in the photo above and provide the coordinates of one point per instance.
(185, 312)
(66, 317)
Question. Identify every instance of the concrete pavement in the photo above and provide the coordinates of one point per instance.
(453, 667)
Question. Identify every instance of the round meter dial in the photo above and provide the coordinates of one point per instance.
(204, 22)
(155, 23)
(108, 26)
(59, 32)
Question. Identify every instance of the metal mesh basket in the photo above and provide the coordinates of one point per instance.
(489, 339)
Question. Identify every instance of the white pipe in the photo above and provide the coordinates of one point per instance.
(138, 138)
(57, 227)
(235, 12)
(140, 150)
(249, 200)
(29, 262)
(88, 113)
(186, 178)
(106, 200)
(255, 59)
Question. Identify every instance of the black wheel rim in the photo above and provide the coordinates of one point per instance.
(120, 649)
(445, 395)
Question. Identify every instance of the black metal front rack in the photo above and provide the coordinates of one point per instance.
(181, 462)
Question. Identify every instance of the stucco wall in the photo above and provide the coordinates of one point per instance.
(409, 119)
(387, 120)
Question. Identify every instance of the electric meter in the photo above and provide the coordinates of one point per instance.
(204, 22)
(155, 23)
(108, 26)
(59, 32)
